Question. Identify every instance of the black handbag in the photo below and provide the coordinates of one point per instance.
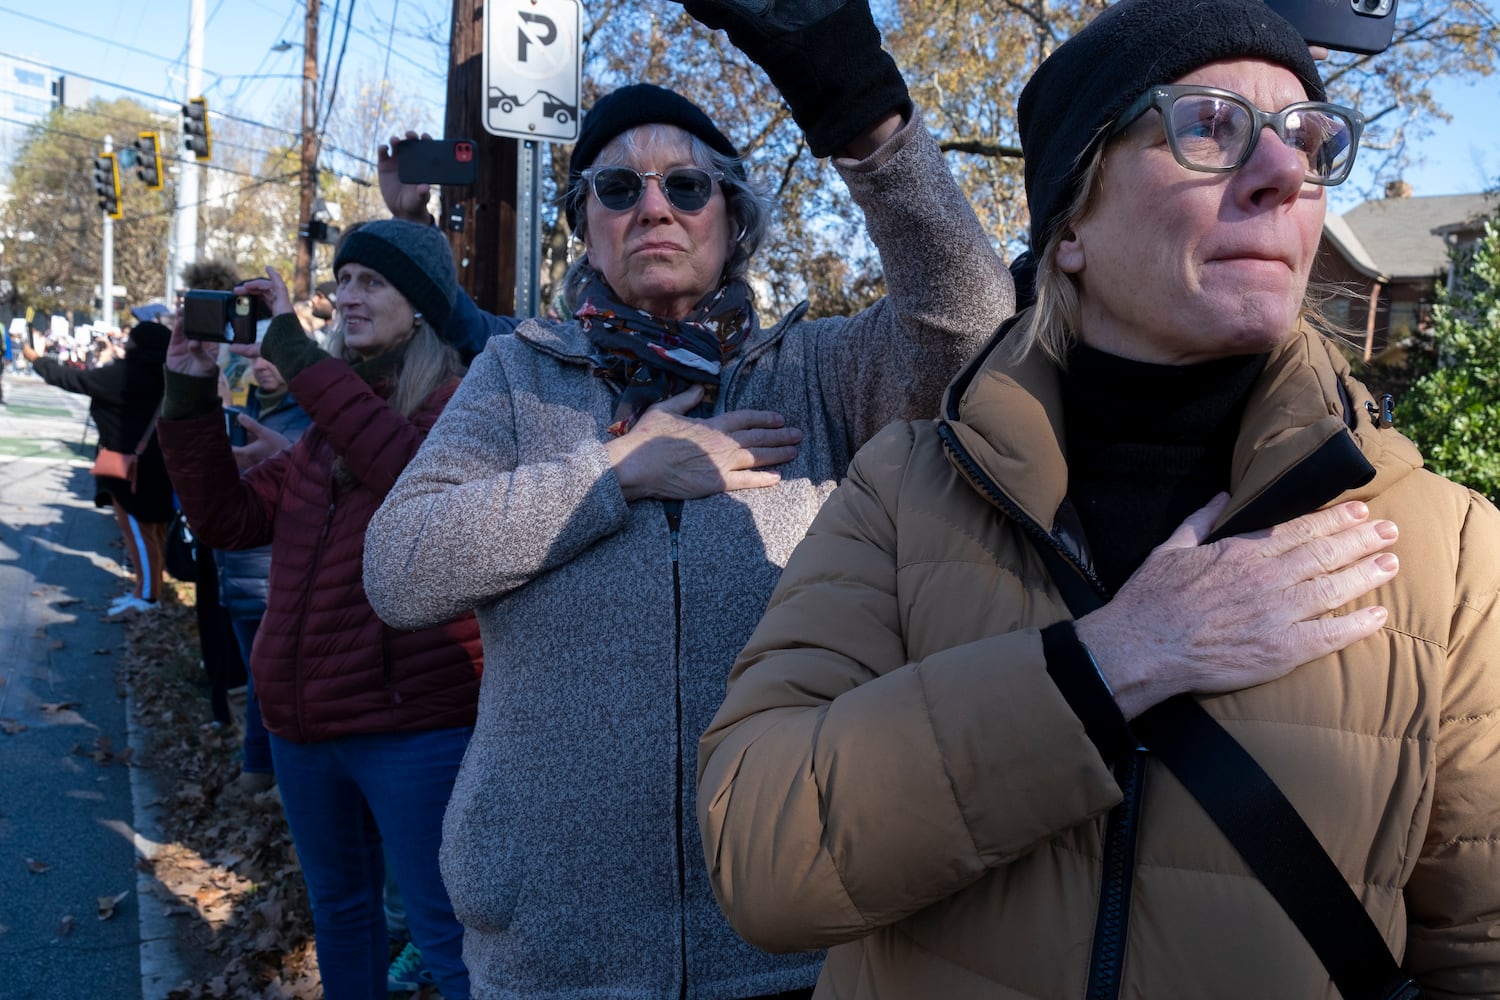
(1266, 830)
(181, 550)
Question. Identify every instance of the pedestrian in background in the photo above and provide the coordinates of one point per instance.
(124, 402)
(368, 723)
(1159, 496)
(615, 493)
(270, 422)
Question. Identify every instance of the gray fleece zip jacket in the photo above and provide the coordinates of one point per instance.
(570, 846)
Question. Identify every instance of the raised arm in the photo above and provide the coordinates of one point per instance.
(947, 288)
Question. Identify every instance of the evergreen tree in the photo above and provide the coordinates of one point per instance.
(1453, 411)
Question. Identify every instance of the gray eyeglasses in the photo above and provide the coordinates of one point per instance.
(1216, 130)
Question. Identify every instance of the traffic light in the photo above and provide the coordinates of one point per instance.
(195, 134)
(107, 183)
(148, 159)
(319, 232)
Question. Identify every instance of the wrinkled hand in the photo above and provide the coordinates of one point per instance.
(1243, 610)
(670, 456)
(271, 290)
(404, 201)
(191, 357)
(261, 443)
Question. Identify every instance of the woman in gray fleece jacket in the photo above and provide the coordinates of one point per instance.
(617, 515)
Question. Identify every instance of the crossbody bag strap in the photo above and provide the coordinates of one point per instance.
(1267, 831)
(145, 441)
(1272, 838)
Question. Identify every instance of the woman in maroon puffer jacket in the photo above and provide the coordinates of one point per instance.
(368, 723)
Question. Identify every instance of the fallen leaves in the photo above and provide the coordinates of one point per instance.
(37, 867)
(103, 753)
(107, 904)
(226, 863)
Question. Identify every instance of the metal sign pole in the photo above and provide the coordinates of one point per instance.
(532, 89)
(528, 227)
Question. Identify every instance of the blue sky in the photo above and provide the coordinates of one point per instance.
(142, 45)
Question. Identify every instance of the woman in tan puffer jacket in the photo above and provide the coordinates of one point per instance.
(926, 764)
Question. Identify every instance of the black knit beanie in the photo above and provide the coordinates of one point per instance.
(1079, 90)
(622, 110)
(415, 259)
(149, 338)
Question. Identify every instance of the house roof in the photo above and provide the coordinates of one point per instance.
(1395, 238)
(1337, 232)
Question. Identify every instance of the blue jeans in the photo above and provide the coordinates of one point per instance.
(257, 740)
(343, 798)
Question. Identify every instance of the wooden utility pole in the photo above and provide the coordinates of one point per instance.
(306, 245)
(485, 247)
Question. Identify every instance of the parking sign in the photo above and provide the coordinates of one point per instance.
(532, 75)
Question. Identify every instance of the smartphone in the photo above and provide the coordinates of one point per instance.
(437, 161)
(232, 425)
(222, 316)
(1365, 26)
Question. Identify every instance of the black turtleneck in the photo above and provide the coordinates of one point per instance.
(1147, 445)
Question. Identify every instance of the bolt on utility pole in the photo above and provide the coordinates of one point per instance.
(302, 282)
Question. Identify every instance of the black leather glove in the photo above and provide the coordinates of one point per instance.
(823, 55)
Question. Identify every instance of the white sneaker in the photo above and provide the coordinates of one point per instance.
(129, 603)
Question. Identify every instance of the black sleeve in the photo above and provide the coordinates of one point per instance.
(1071, 667)
(103, 383)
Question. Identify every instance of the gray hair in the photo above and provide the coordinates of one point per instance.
(749, 211)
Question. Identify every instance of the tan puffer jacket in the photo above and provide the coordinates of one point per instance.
(895, 775)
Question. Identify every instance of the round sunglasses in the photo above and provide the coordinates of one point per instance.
(687, 189)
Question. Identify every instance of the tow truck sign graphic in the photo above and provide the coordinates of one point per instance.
(532, 68)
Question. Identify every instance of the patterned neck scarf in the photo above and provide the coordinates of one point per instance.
(649, 358)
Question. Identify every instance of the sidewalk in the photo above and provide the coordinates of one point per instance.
(74, 808)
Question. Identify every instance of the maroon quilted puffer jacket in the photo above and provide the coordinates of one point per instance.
(324, 664)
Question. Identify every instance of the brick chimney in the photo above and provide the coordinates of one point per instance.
(1397, 189)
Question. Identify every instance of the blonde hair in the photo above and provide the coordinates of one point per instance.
(426, 363)
(1056, 316)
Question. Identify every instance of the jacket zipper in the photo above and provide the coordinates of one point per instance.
(673, 511)
(1117, 868)
(1107, 959)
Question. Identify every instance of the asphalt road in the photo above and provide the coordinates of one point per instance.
(73, 815)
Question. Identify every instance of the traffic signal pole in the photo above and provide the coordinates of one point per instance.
(185, 216)
(106, 314)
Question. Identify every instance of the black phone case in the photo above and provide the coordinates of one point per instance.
(437, 161)
(1336, 24)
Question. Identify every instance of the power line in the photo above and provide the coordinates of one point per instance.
(113, 43)
(226, 116)
(134, 126)
(384, 74)
(93, 141)
(333, 88)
